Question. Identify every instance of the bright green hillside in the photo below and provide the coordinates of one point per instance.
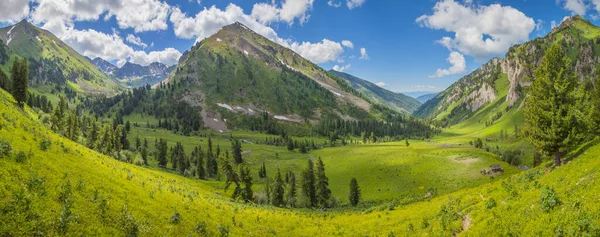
(71, 190)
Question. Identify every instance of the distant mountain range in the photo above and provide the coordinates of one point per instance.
(396, 101)
(135, 75)
(426, 97)
(52, 63)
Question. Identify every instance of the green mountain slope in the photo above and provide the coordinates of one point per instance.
(52, 62)
(239, 71)
(427, 97)
(476, 91)
(396, 101)
(67, 189)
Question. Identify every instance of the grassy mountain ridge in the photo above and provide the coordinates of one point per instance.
(63, 190)
(52, 62)
(475, 91)
(239, 71)
(396, 101)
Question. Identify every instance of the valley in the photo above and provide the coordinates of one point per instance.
(248, 135)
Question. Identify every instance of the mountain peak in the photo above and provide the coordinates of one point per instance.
(575, 21)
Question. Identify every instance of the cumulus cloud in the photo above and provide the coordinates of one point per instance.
(13, 10)
(354, 3)
(288, 12)
(381, 84)
(479, 31)
(169, 57)
(210, 20)
(363, 54)
(458, 65)
(348, 44)
(576, 6)
(321, 52)
(135, 40)
(338, 68)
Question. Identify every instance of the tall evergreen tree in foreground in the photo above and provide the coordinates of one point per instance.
(162, 153)
(4, 83)
(246, 179)
(354, 195)
(308, 184)
(20, 81)
(199, 154)
(553, 118)
(322, 184)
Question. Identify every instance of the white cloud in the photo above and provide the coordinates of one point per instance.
(381, 84)
(13, 10)
(331, 3)
(479, 31)
(354, 3)
(458, 65)
(321, 52)
(348, 44)
(141, 15)
(363, 54)
(169, 57)
(288, 12)
(553, 24)
(338, 68)
(265, 13)
(210, 20)
(135, 40)
(576, 6)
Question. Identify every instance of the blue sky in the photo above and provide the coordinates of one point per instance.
(404, 45)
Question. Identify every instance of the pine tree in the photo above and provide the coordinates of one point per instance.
(20, 81)
(93, 136)
(308, 184)
(236, 147)
(551, 114)
(200, 163)
(4, 83)
(407, 144)
(232, 178)
(291, 193)
(246, 179)
(59, 115)
(595, 107)
(162, 153)
(322, 184)
(278, 190)
(354, 195)
(262, 171)
(144, 154)
(290, 145)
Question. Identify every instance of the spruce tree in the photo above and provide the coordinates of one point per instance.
(236, 147)
(246, 179)
(162, 153)
(291, 193)
(200, 163)
(4, 83)
(552, 116)
(290, 144)
(232, 178)
(354, 195)
(322, 184)
(93, 136)
(59, 115)
(20, 81)
(278, 190)
(308, 184)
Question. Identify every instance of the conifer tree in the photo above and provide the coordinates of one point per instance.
(278, 190)
(93, 136)
(246, 179)
(232, 178)
(354, 195)
(4, 83)
(322, 184)
(144, 154)
(552, 116)
(290, 144)
(162, 153)
(20, 81)
(200, 163)
(59, 115)
(308, 184)
(236, 147)
(291, 193)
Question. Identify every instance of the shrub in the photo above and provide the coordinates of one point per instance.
(20, 157)
(223, 230)
(490, 204)
(45, 144)
(201, 228)
(5, 148)
(138, 161)
(549, 199)
(176, 218)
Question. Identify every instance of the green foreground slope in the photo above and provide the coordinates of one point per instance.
(70, 190)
